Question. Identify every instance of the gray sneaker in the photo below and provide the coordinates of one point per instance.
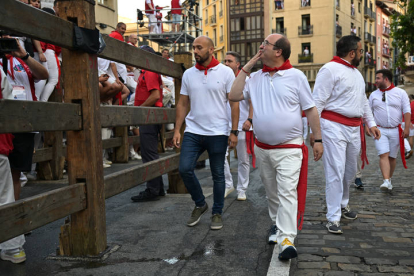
(334, 227)
(216, 222)
(196, 215)
(348, 214)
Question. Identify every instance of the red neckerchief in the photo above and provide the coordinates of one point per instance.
(213, 63)
(343, 62)
(389, 88)
(237, 73)
(286, 65)
(303, 176)
(28, 72)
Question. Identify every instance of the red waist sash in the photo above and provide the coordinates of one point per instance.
(250, 146)
(303, 176)
(354, 122)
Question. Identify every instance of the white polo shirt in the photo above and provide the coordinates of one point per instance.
(278, 102)
(243, 114)
(389, 113)
(341, 89)
(208, 100)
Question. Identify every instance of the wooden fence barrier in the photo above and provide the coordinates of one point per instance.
(82, 118)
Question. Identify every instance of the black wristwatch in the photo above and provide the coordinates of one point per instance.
(235, 132)
(26, 56)
(318, 140)
(250, 120)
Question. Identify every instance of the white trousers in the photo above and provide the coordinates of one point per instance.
(53, 79)
(305, 127)
(279, 172)
(243, 165)
(389, 142)
(359, 166)
(342, 145)
(7, 196)
(40, 85)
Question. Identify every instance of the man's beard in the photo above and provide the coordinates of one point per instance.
(355, 62)
(202, 59)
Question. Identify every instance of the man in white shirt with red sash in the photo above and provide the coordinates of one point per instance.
(278, 94)
(388, 103)
(339, 95)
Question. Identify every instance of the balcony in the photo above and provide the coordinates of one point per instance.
(279, 31)
(213, 20)
(353, 12)
(372, 15)
(386, 31)
(221, 38)
(338, 31)
(305, 58)
(372, 41)
(370, 62)
(369, 87)
(367, 37)
(220, 14)
(206, 22)
(305, 30)
(305, 3)
(338, 5)
(367, 12)
(386, 52)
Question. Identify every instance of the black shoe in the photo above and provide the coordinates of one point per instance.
(162, 192)
(334, 227)
(145, 196)
(348, 214)
(359, 184)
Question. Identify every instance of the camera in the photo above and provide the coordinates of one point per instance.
(8, 45)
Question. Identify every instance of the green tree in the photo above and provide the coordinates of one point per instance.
(402, 28)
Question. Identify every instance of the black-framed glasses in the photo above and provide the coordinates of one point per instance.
(383, 96)
(361, 50)
(264, 43)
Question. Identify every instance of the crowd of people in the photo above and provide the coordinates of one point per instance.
(263, 114)
(155, 16)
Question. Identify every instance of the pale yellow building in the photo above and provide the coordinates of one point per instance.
(215, 17)
(106, 15)
(314, 26)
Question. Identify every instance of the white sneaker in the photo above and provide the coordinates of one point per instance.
(23, 179)
(32, 175)
(136, 156)
(13, 255)
(386, 186)
(106, 161)
(241, 196)
(287, 250)
(106, 165)
(228, 191)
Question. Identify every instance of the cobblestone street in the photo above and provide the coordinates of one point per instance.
(379, 242)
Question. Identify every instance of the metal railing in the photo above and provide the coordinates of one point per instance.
(221, 38)
(302, 58)
(213, 19)
(305, 30)
(221, 13)
(279, 31)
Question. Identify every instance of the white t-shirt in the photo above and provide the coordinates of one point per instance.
(6, 88)
(103, 66)
(341, 89)
(389, 113)
(17, 78)
(208, 100)
(278, 102)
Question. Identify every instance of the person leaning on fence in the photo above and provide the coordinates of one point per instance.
(119, 32)
(11, 250)
(23, 71)
(278, 94)
(205, 89)
(149, 94)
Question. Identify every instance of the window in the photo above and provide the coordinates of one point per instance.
(306, 49)
(305, 21)
(215, 36)
(359, 7)
(280, 26)
(207, 2)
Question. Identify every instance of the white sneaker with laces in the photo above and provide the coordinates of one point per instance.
(16, 255)
(287, 250)
(136, 156)
(106, 165)
(241, 196)
(228, 191)
(386, 186)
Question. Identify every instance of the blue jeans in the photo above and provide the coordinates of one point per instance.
(192, 147)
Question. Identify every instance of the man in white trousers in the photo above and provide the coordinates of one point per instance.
(388, 104)
(232, 60)
(340, 98)
(278, 94)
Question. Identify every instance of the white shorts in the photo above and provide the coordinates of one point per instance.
(411, 129)
(389, 142)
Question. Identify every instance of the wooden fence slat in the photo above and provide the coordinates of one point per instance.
(59, 32)
(42, 155)
(30, 213)
(25, 116)
(121, 181)
(132, 116)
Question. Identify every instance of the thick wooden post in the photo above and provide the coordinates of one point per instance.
(86, 231)
(175, 183)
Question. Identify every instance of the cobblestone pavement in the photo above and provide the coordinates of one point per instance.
(379, 242)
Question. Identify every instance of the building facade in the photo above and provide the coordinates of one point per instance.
(214, 14)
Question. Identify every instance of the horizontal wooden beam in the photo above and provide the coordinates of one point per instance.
(121, 181)
(24, 116)
(42, 155)
(133, 116)
(30, 213)
(59, 32)
(112, 143)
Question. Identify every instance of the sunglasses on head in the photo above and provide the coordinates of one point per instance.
(383, 96)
